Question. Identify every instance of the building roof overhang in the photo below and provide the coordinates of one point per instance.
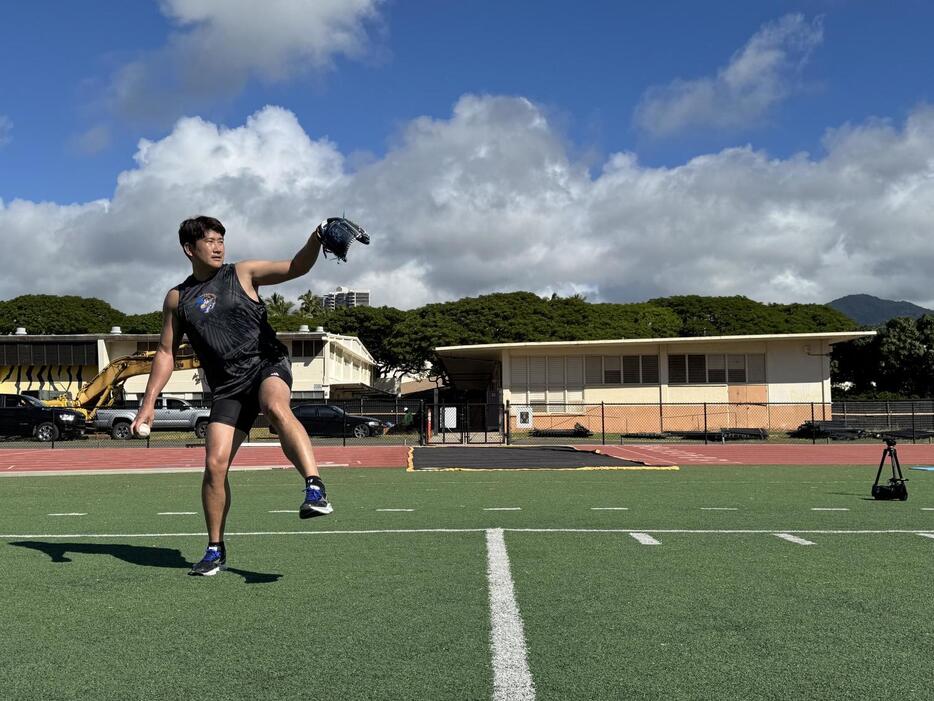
(493, 351)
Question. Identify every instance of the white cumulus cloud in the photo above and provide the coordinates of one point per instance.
(489, 199)
(758, 77)
(218, 46)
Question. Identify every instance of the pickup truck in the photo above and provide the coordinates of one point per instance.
(171, 415)
(22, 416)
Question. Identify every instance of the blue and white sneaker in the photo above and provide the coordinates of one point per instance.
(316, 502)
(214, 561)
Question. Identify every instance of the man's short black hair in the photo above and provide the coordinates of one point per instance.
(191, 230)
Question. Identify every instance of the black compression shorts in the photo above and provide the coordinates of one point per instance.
(241, 410)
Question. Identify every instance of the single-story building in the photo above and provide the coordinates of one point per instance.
(324, 365)
(649, 385)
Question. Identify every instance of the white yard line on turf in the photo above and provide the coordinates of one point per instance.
(395, 509)
(70, 514)
(504, 508)
(828, 508)
(793, 539)
(511, 677)
(177, 513)
(927, 508)
(645, 539)
(284, 511)
(394, 531)
(927, 535)
(609, 508)
(719, 508)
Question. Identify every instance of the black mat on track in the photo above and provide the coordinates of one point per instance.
(524, 458)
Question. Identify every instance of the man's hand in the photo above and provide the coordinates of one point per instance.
(145, 415)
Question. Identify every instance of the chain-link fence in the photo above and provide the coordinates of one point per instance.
(706, 422)
(396, 421)
(329, 422)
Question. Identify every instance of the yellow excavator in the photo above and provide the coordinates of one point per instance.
(107, 386)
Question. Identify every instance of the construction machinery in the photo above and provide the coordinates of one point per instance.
(107, 386)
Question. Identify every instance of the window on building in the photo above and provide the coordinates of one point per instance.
(519, 371)
(48, 353)
(736, 368)
(631, 372)
(755, 368)
(594, 370)
(677, 369)
(716, 369)
(697, 368)
(147, 346)
(649, 369)
(307, 349)
(611, 370)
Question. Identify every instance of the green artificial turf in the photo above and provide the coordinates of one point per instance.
(308, 612)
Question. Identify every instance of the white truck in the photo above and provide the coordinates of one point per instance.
(171, 414)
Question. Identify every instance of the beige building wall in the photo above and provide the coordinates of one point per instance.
(796, 371)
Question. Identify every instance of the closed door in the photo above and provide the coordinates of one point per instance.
(16, 416)
(176, 412)
(330, 422)
(161, 415)
(7, 424)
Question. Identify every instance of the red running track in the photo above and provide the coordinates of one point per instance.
(78, 459)
(69, 459)
(771, 454)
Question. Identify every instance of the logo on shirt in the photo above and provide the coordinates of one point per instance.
(206, 302)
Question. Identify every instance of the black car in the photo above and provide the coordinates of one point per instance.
(330, 420)
(28, 417)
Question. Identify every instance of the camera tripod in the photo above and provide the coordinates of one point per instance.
(895, 489)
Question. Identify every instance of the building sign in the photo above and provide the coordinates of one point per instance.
(524, 417)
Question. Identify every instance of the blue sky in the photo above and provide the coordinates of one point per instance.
(661, 83)
(586, 62)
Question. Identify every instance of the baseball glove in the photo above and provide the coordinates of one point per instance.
(336, 235)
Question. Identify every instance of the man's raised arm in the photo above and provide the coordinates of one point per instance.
(272, 272)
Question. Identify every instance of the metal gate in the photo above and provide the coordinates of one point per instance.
(465, 423)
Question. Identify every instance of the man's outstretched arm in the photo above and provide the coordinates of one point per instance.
(273, 272)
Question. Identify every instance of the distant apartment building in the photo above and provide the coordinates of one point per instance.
(345, 297)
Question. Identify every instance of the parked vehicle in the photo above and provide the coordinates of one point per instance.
(27, 416)
(330, 420)
(171, 414)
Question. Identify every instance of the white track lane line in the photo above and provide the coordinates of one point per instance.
(828, 508)
(70, 514)
(512, 680)
(504, 508)
(609, 508)
(793, 539)
(645, 538)
(395, 509)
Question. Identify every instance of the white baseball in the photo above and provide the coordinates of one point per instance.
(142, 430)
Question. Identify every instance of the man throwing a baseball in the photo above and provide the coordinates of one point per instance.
(247, 368)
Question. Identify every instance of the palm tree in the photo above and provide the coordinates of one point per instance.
(279, 306)
(311, 304)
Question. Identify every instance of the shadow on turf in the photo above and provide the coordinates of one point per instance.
(135, 555)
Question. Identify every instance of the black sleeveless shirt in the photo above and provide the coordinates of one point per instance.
(228, 331)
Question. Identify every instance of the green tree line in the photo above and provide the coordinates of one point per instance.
(403, 340)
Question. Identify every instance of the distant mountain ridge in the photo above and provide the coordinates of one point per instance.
(873, 311)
